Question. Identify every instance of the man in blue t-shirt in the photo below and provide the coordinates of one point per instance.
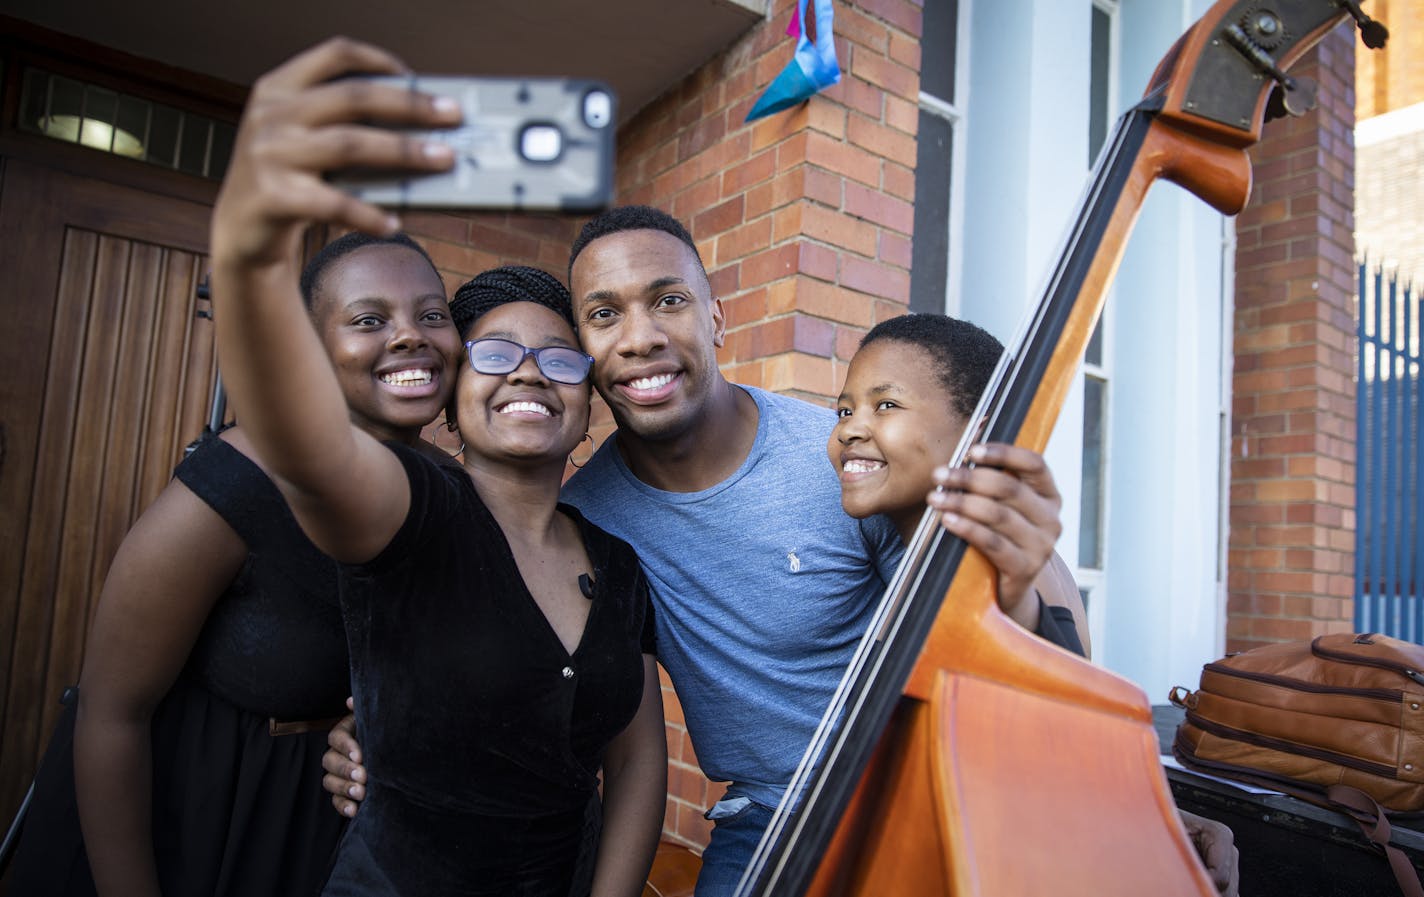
(762, 585)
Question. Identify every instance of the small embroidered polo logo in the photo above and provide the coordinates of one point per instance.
(793, 561)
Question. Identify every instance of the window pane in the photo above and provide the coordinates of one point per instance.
(1090, 518)
(193, 151)
(223, 135)
(66, 102)
(32, 101)
(100, 108)
(113, 122)
(163, 136)
(132, 120)
(1098, 86)
(937, 43)
(1094, 353)
(929, 257)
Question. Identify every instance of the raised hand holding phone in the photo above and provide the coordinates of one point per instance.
(523, 143)
(304, 119)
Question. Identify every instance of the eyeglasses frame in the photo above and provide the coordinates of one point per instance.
(538, 359)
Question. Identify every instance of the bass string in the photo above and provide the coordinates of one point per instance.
(837, 727)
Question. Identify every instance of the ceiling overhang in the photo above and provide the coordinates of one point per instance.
(640, 47)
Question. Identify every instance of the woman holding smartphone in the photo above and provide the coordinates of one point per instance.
(489, 689)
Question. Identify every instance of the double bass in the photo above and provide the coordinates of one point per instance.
(961, 755)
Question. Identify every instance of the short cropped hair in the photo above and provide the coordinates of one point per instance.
(626, 218)
(490, 289)
(964, 356)
(343, 246)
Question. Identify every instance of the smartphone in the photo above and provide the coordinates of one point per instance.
(537, 144)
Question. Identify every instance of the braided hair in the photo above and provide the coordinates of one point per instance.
(964, 356)
(512, 283)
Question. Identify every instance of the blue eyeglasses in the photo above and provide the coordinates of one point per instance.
(501, 356)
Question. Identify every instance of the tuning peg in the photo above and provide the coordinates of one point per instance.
(1294, 99)
(1372, 33)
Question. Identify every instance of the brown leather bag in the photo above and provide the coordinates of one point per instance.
(1338, 721)
(1340, 710)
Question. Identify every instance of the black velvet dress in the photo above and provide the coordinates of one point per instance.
(237, 811)
(482, 735)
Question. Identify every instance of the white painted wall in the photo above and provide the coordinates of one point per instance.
(1168, 613)
(1026, 164)
(1026, 168)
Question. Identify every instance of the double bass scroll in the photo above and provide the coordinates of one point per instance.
(961, 755)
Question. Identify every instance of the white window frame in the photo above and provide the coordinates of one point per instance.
(1093, 581)
(953, 111)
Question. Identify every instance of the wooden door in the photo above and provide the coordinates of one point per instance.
(105, 374)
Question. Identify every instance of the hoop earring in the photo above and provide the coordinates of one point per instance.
(591, 443)
(450, 426)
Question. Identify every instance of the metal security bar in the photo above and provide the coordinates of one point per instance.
(1389, 543)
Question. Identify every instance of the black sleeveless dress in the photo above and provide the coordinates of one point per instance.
(482, 736)
(237, 811)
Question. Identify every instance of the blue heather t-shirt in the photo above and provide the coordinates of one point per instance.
(762, 587)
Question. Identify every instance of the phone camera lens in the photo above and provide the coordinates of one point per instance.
(597, 109)
(541, 143)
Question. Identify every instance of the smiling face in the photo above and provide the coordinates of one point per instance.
(646, 314)
(381, 314)
(895, 423)
(522, 416)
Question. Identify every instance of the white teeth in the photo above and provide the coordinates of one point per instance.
(656, 382)
(860, 465)
(533, 407)
(409, 377)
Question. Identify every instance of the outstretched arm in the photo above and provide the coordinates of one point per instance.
(634, 796)
(348, 492)
(169, 571)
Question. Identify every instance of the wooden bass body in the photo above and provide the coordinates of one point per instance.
(962, 755)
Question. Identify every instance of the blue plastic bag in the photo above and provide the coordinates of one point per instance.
(813, 69)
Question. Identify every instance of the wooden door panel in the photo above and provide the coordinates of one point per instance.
(81, 481)
(105, 380)
(179, 389)
(43, 430)
(124, 420)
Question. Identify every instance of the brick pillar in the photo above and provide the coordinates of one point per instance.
(803, 220)
(1292, 525)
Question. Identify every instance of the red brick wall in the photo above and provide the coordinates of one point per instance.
(464, 245)
(1292, 448)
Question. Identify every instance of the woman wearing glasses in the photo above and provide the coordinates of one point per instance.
(501, 648)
